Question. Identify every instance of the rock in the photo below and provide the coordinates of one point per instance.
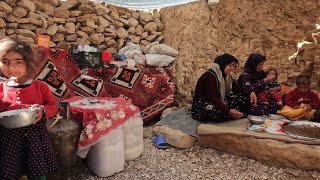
(58, 37)
(296, 156)
(71, 37)
(49, 10)
(23, 20)
(122, 33)
(28, 27)
(51, 2)
(2, 23)
(26, 33)
(175, 137)
(19, 12)
(61, 29)
(82, 34)
(28, 5)
(145, 17)
(52, 29)
(96, 38)
(4, 7)
(70, 28)
(3, 15)
(104, 22)
(151, 26)
(132, 22)
(37, 22)
(61, 13)
(91, 23)
(100, 9)
(59, 20)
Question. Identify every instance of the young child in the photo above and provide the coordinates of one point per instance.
(272, 90)
(301, 102)
(25, 150)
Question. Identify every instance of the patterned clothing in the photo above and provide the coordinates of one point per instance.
(256, 84)
(207, 104)
(295, 98)
(26, 150)
(266, 96)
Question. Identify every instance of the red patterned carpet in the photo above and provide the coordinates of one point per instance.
(149, 88)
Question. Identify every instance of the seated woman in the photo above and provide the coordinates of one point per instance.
(217, 97)
(254, 79)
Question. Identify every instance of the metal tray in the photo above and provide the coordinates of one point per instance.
(301, 123)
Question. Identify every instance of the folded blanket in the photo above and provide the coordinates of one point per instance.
(296, 113)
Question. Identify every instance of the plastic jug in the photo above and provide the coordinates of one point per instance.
(133, 137)
(107, 156)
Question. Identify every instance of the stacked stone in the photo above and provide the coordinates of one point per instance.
(74, 22)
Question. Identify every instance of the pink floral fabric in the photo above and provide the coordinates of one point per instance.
(99, 118)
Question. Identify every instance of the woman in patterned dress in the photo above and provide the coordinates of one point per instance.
(217, 96)
(255, 80)
(25, 150)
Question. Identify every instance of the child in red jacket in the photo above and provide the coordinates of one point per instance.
(26, 150)
(304, 103)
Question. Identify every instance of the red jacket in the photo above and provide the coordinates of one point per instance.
(295, 98)
(37, 93)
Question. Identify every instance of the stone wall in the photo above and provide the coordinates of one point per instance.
(285, 31)
(274, 28)
(76, 22)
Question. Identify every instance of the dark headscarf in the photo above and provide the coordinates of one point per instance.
(251, 64)
(224, 60)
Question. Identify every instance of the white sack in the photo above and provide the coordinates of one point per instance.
(158, 60)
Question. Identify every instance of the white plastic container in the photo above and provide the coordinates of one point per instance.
(107, 156)
(133, 137)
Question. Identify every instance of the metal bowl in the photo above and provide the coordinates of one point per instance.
(17, 118)
(275, 117)
(256, 119)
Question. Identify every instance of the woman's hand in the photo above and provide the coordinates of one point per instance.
(39, 112)
(253, 98)
(269, 78)
(235, 114)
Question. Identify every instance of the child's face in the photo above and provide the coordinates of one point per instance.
(273, 73)
(13, 65)
(303, 88)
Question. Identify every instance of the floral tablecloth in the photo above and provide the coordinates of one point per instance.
(99, 118)
(270, 126)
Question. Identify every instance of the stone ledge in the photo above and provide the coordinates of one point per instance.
(268, 151)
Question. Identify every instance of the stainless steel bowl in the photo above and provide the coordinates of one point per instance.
(275, 117)
(17, 118)
(256, 119)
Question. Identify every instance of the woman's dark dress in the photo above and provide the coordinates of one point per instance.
(207, 104)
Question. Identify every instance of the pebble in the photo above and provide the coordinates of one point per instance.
(196, 163)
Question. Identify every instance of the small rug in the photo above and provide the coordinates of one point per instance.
(181, 120)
